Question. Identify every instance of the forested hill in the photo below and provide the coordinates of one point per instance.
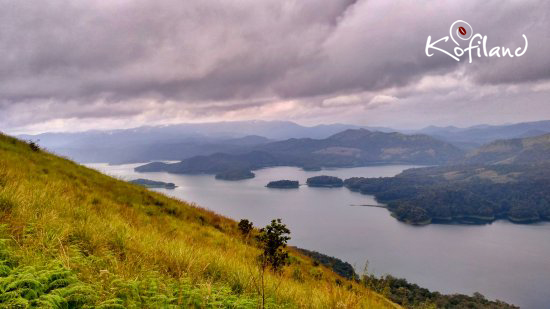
(504, 179)
(348, 148)
(72, 237)
(518, 151)
(464, 193)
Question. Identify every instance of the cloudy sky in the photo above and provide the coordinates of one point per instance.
(77, 65)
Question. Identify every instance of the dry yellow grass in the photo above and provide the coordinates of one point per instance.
(137, 248)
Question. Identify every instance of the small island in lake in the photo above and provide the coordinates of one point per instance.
(311, 168)
(284, 184)
(239, 174)
(153, 184)
(325, 182)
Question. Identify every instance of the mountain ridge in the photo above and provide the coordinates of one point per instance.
(181, 141)
(352, 147)
(174, 142)
(517, 150)
(475, 136)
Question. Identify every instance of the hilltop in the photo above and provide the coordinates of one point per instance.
(513, 151)
(73, 237)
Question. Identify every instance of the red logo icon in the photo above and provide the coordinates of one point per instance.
(462, 30)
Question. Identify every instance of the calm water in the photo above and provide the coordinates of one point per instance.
(501, 260)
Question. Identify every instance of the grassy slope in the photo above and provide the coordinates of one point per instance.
(76, 237)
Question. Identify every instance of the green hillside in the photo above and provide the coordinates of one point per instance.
(71, 237)
(512, 151)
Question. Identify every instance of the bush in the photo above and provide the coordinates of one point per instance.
(245, 227)
(34, 146)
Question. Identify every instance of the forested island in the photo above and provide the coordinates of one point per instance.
(470, 194)
(311, 168)
(238, 174)
(284, 184)
(153, 184)
(325, 182)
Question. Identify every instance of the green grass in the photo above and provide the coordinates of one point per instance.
(72, 237)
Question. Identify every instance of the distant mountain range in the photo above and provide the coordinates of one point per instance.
(477, 135)
(183, 141)
(105, 148)
(360, 147)
(352, 147)
(177, 142)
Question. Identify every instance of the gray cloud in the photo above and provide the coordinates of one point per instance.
(147, 59)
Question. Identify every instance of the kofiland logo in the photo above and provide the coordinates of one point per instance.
(477, 42)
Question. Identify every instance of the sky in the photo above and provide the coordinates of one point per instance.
(70, 65)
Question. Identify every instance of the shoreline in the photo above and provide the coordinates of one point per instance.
(368, 205)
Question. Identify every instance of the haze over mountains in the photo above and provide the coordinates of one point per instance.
(477, 135)
(513, 151)
(353, 147)
(182, 141)
(175, 142)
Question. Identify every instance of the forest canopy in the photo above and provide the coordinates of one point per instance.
(466, 193)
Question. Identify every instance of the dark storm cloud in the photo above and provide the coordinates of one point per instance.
(191, 49)
(83, 56)
(381, 44)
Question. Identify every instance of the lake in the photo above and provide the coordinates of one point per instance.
(502, 260)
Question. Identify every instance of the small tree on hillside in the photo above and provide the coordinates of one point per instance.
(34, 146)
(272, 240)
